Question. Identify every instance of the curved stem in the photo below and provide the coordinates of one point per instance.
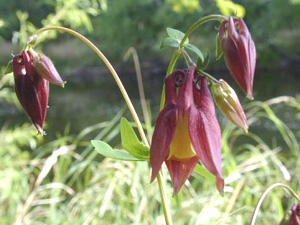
(166, 209)
(264, 194)
(111, 69)
(198, 23)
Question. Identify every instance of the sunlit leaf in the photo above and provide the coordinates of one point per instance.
(169, 42)
(107, 151)
(131, 143)
(176, 35)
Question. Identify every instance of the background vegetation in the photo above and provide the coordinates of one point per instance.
(60, 179)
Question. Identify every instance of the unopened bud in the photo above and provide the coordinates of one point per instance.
(229, 104)
(45, 68)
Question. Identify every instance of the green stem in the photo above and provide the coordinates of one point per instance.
(198, 23)
(166, 209)
(264, 194)
(208, 76)
(164, 199)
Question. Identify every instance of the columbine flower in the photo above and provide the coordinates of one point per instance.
(229, 104)
(186, 130)
(45, 68)
(295, 216)
(240, 52)
(31, 89)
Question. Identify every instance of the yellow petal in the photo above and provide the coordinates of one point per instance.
(181, 147)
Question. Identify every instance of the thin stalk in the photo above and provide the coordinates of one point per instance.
(264, 194)
(166, 209)
(138, 72)
(164, 199)
(198, 23)
(111, 69)
(208, 76)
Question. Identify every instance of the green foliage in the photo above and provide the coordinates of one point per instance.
(131, 143)
(105, 150)
(66, 182)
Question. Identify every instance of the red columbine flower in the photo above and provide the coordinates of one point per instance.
(32, 90)
(186, 130)
(295, 217)
(239, 51)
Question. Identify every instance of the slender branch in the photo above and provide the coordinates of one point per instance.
(264, 194)
(208, 76)
(198, 23)
(164, 199)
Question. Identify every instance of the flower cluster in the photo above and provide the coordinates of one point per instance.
(32, 73)
(187, 129)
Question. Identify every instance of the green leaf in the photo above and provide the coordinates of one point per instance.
(219, 51)
(194, 49)
(202, 64)
(9, 67)
(169, 42)
(203, 172)
(176, 34)
(107, 151)
(131, 143)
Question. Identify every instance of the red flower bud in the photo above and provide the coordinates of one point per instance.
(45, 68)
(229, 104)
(31, 89)
(295, 217)
(240, 52)
(186, 130)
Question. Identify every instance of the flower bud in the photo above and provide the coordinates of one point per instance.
(239, 52)
(45, 68)
(229, 104)
(295, 216)
(31, 89)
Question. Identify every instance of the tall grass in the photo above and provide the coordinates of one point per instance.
(66, 182)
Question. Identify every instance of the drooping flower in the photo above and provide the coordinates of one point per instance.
(186, 130)
(229, 104)
(295, 216)
(239, 52)
(45, 68)
(31, 89)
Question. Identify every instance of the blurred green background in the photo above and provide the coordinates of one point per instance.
(78, 186)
